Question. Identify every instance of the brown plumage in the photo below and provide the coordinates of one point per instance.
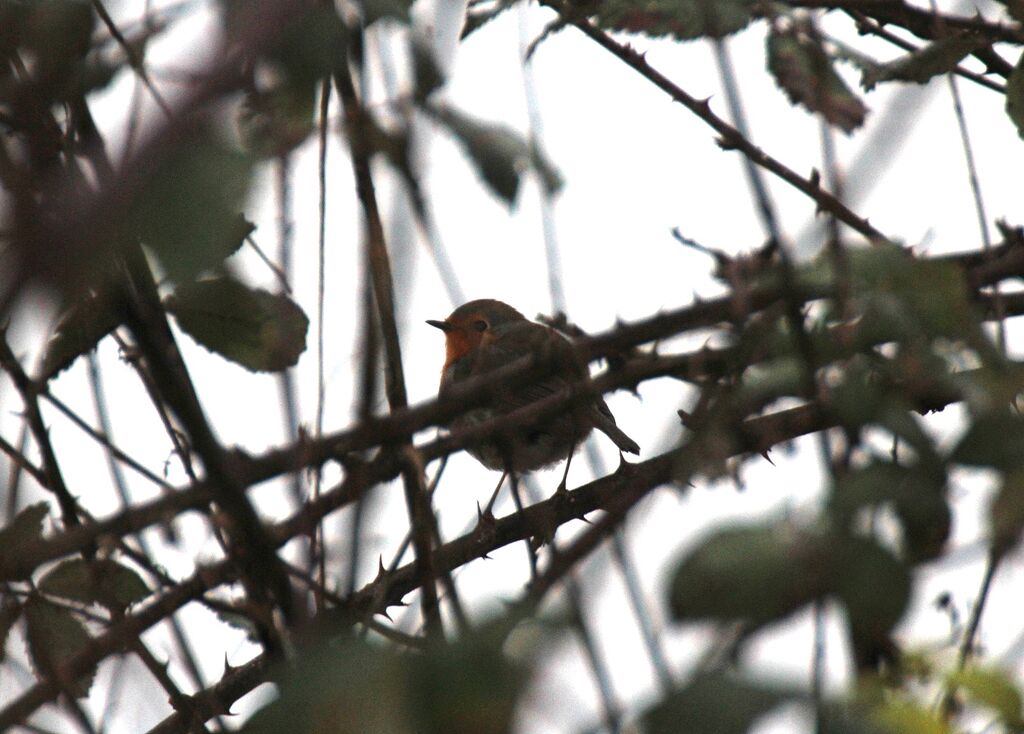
(483, 335)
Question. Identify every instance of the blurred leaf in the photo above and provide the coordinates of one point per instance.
(1006, 513)
(897, 716)
(499, 153)
(714, 704)
(995, 439)
(187, 211)
(79, 329)
(468, 687)
(54, 636)
(25, 528)
(873, 585)
(938, 57)
(993, 689)
(927, 521)
(804, 72)
(1015, 96)
(10, 611)
(263, 332)
(59, 35)
(681, 19)
(757, 573)
(101, 581)
(275, 121)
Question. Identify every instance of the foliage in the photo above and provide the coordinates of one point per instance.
(856, 347)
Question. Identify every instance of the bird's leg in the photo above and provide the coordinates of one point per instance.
(565, 475)
(494, 495)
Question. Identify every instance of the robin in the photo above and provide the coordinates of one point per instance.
(483, 335)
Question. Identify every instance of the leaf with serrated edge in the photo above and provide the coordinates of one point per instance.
(262, 331)
(54, 635)
(103, 581)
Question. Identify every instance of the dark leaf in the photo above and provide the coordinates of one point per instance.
(1006, 513)
(714, 704)
(10, 611)
(755, 573)
(804, 72)
(499, 153)
(993, 440)
(101, 581)
(25, 528)
(54, 636)
(938, 57)
(374, 10)
(1015, 96)
(263, 332)
(79, 330)
(872, 584)
(477, 17)
(187, 212)
(428, 74)
(681, 19)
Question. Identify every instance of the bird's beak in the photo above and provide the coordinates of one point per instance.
(442, 325)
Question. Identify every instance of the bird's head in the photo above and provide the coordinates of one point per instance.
(472, 325)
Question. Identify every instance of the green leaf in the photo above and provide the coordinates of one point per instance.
(1015, 96)
(995, 439)
(79, 329)
(499, 154)
(896, 716)
(1006, 513)
(681, 19)
(714, 704)
(187, 210)
(993, 689)
(804, 72)
(757, 573)
(938, 57)
(25, 528)
(263, 332)
(872, 584)
(101, 581)
(55, 636)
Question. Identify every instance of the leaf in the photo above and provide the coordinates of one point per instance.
(102, 581)
(992, 688)
(374, 10)
(897, 716)
(25, 528)
(263, 332)
(804, 72)
(187, 209)
(872, 584)
(1015, 96)
(499, 154)
(477, 17)
(1006, 513)
(758, 573)
(714, 704)
(55, 636)
(80, 328)
(995, 439)
(429, 76)
(10, 611)
(681, 19)
(938, 57)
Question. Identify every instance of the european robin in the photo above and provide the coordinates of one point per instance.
(483, 335)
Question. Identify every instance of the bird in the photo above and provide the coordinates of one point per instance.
(486, 334)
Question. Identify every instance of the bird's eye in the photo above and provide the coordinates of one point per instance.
(480, 325)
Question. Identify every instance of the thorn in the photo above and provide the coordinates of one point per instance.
(380, 566)
(227, 666)
(384, 613)
(767, 457)
(815, 178)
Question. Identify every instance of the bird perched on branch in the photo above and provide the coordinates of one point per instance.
(483, 335)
